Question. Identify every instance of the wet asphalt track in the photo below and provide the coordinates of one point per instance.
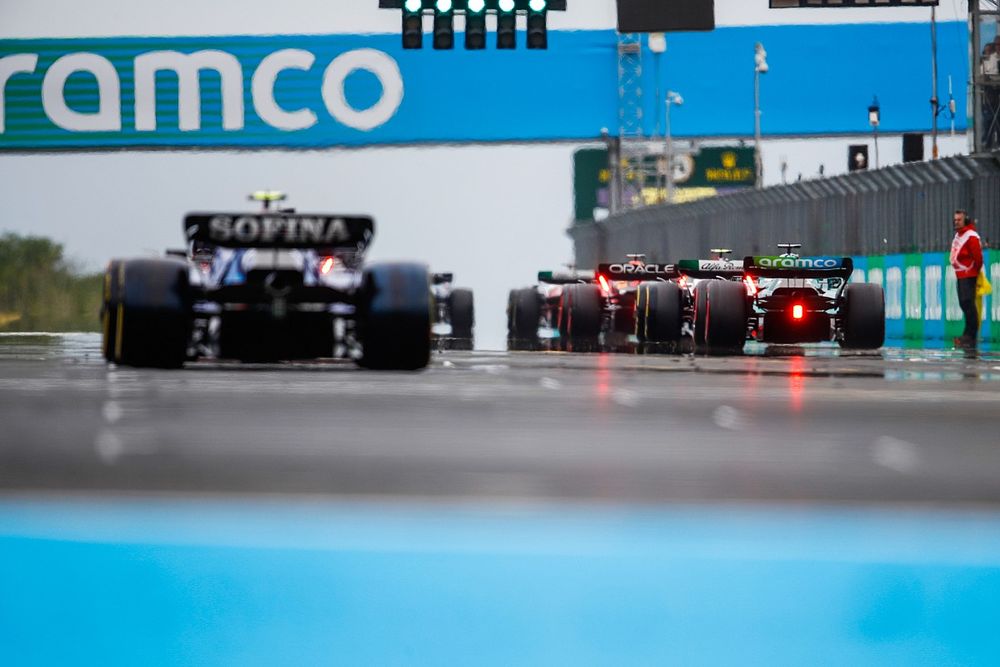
(792, 425)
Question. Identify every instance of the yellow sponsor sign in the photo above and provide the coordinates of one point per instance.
(728, 174)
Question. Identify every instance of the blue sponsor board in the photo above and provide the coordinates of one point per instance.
(934, 271)
(895, 296)
(348, 90)
(921, 299)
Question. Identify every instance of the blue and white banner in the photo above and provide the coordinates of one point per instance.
(349, 90)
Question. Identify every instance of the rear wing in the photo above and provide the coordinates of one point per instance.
(442, 278)
(280, 230)
(799, 267)
(638, 272)
(566, 277)
(703, 269)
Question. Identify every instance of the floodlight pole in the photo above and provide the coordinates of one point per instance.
(760, 67)
(875, 119)
(758, 163)
(669, 148)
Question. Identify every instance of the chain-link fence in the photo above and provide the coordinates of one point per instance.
(900, 209)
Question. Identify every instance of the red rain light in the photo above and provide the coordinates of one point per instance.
(326, 265)
(797, 312)
(751, 286)
(604, 284)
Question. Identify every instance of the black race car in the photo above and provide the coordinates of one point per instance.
(533, 313)
(268, 286)
(810, 299)
(581, 311)
(789, 299)
(669, 313)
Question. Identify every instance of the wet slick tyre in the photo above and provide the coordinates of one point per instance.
(725, 317)
(641, 304)
(663, 313)
(580, 317)
(523, 313)
(153, 321)
(700, 306)
(110, 300)
(395, 317)
(463, 315)
(863, 319)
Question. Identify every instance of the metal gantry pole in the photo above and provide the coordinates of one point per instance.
(935, 106)
(668, 148)
(629, 115)
(975, 78)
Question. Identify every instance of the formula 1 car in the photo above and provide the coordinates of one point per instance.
(268, 286)
(810, 299)
(533, 313)
(793, 299)
(643, 302)
(581, 311)
(663, 317)
(454, 313)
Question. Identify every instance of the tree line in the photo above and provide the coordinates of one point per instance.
(40, 290)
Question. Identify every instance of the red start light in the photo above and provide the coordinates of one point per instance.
(604, 284)
(326, 265)
(797, 312)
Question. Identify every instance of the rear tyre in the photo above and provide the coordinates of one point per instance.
(580, 317)
(110, 300)
(463, 317)
(725, 317)
(663, 313)
(700, 307)
(641, 301)
(864, 317)
(523, 313)
(394, 319)
(154, 318)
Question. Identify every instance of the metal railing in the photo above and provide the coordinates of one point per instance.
(899, 209)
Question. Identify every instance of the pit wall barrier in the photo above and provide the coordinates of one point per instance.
(921, 298)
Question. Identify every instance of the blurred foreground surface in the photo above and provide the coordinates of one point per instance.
(500, 509)
(311, 582)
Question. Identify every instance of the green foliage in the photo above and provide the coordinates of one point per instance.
(40, 290)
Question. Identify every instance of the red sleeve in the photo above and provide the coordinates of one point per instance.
(975, 250)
